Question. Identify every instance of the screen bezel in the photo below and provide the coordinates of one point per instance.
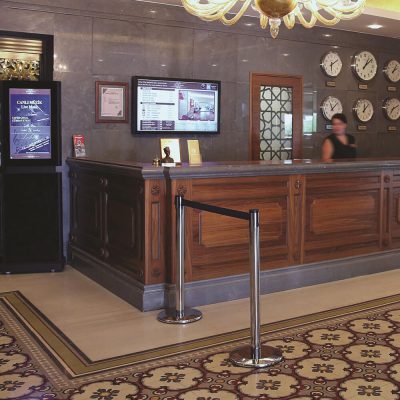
(134, 123)
(55, 92)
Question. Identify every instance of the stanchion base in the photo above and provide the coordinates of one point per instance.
(243, 357)
(170, 316)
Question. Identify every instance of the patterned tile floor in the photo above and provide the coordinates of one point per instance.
(347, 353)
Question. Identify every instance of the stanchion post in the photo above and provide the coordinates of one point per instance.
(255, 355)
(180, 314)
(180, 258)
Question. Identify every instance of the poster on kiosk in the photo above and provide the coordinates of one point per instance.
(30, 129)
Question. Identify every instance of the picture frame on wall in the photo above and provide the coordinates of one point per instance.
(112, 102)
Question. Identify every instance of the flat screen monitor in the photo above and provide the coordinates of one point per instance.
(165, 105)
(31, 123)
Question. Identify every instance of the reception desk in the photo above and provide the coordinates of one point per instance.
(319, 222)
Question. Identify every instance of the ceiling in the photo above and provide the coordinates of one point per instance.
(378, 12)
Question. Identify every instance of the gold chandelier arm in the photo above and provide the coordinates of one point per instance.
(303, 21)
(263, 21)
(238, 15)
(341, 6)
(289, 20)
(214, 9)
(203, 10)
(327, 21)
(306, 12)
(335, 8)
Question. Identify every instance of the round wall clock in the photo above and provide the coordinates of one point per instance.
(331, 64)
(331, 106)
(391, 108)
(363, 110)
(365, 66)
(392, 71)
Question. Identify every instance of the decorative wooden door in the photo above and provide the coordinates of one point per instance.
(276, 117)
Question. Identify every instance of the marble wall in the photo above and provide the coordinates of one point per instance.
(114, 40)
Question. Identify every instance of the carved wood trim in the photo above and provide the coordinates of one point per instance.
(155, 190)
(181, 190)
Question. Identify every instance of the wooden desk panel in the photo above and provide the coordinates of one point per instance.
(219, 245)
(119, 219)
(123, 215)
(343, 215)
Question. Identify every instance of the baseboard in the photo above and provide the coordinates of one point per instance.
(143, 297)
(237, 287)
(153, 297)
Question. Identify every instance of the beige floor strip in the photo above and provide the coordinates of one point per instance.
(77, 364)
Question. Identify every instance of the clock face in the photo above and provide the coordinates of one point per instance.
(331, 106)
(391, 108)
(365, 66)
(392, 71)
(363, 110)
(331, 64)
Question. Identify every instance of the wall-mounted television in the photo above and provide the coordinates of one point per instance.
(167, 105)
(30, 126)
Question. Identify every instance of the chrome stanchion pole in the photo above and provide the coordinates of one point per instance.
(255, 355)
(179, 314)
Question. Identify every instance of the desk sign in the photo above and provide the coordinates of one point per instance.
(330, 84)
(392, 89)
(362, 127)
(194, 152)
(363, 86)
(392, 128)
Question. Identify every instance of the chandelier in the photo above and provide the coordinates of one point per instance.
(272, 12)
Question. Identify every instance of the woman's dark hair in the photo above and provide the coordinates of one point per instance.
(340, 117)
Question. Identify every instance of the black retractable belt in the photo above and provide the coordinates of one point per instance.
(255, 355)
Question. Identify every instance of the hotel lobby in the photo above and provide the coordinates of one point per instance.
(199, 199)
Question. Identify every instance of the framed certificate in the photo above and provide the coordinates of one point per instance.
(112, 102)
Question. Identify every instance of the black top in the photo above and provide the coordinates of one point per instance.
(343, 150)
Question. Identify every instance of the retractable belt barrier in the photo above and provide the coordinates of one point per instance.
(256, 355)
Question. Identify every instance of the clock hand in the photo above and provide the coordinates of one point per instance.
(330, 103)
(333, 63)
(365, 108)
(394, 108)
(369, 61)
(395, 69)
(334, 106)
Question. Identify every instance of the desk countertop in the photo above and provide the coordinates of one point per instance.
(239, 168)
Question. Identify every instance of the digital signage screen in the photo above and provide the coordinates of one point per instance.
(175, 106)
(30, 123)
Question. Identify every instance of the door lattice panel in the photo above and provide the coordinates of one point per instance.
(276, 136)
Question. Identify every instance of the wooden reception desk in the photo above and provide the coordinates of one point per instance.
(319, 222)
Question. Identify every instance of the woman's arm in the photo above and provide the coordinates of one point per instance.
(327, 150)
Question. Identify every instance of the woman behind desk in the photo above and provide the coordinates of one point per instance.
(339, 144)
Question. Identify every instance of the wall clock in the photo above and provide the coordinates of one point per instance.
(392, 71)
(363, 110)
(365, 66)
(331, 64)
(391, 109)
(331, 106)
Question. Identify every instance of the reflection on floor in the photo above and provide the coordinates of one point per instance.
(103, 326)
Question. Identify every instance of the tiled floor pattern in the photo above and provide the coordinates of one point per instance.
(346, 353)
